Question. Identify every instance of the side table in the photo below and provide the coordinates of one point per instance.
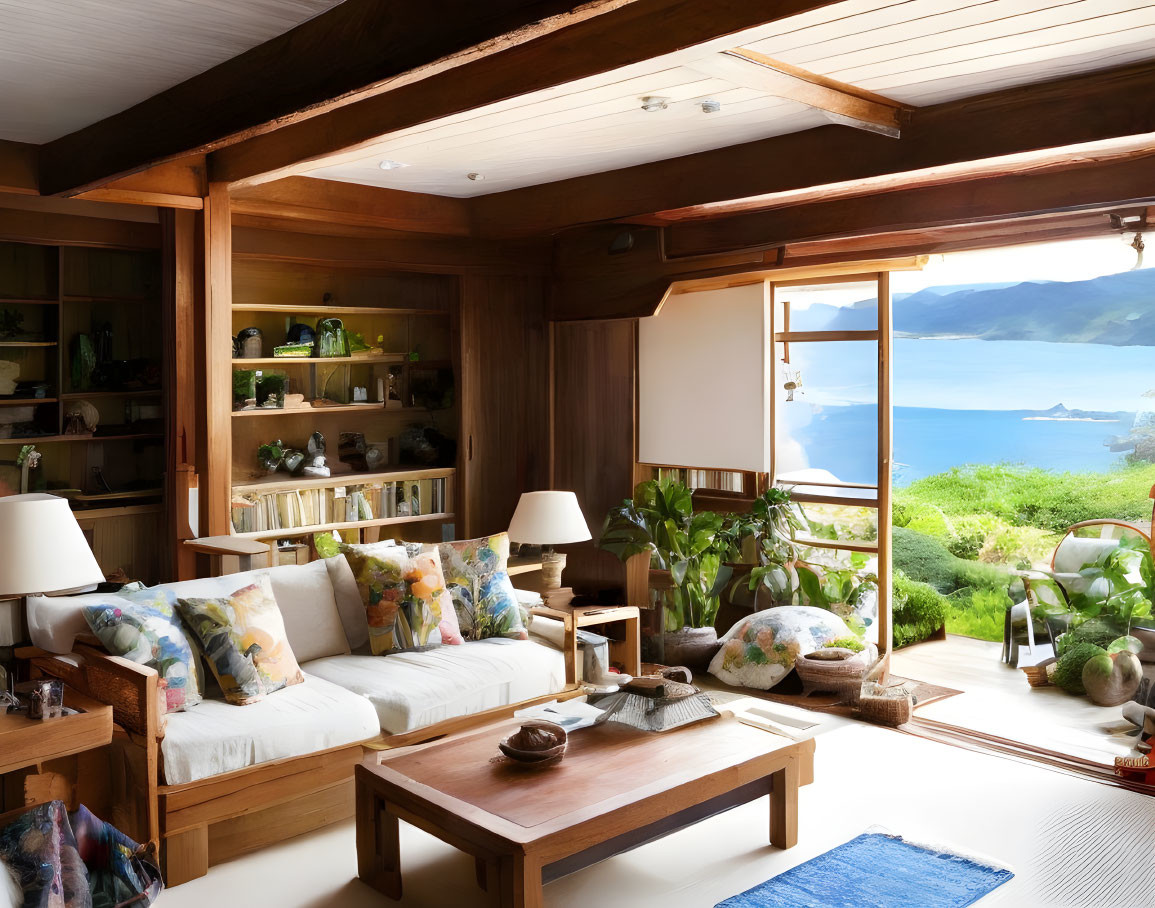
(627, 651)
(28, 742)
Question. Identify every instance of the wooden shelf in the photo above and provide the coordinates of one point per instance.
(29, 301)
(278, 483)
(116, 496)
(27, 344)
(350, 525)
(335, 310)
(91, 395)
(25, 401)
(338, 408)
(393, 358)
(519, 565)
(41, 439)
(108, 299)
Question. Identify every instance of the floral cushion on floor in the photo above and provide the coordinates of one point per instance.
(476, 571)
(144, 627)
(244, 639)
(759, 651)
(405, 596)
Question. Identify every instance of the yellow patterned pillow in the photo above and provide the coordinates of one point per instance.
(404, 596)
(244, 639)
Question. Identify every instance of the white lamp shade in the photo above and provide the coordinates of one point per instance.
(548, 518)
(42, 548)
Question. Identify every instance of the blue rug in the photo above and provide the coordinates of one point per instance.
(876, 871)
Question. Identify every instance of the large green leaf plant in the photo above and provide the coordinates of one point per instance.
(661, 521)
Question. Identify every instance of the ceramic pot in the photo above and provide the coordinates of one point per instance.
(692, 647)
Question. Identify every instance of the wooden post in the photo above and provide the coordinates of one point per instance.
(178, 241)
(885, 462)
(216, 467)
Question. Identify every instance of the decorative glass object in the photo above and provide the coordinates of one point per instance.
(331, 338)
(333, 382)
(271, 386)
(244, 389)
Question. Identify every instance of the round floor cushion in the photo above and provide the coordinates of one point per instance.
(760, 650)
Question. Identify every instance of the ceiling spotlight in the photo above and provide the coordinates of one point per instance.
(711, 106)
(476, 176)
(388, 164)
(650, 104)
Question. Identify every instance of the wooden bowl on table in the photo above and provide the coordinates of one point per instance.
(536, 743)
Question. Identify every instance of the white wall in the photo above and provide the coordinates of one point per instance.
(704, 380)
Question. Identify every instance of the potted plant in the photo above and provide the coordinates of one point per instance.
(686, 552)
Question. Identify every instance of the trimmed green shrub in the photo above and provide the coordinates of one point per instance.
(919, 610)
(1069, 669)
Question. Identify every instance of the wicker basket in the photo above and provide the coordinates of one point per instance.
(1037, 675)
(892, 710)
(840, 676)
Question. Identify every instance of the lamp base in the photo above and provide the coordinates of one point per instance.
(552, 564)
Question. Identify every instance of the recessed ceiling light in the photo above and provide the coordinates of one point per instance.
(476, 176)
(650, 104)
(388, 164)
(711, 106)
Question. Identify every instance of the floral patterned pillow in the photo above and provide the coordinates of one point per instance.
(405, 597)
(759, 651)
(243, 636)
(483, 594)
(144, 627)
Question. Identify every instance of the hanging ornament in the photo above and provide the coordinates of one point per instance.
(793, 380)
(1138, 245)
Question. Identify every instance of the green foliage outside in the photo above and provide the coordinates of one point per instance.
(963, 530)
(919, 610)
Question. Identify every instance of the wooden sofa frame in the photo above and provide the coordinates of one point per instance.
(201, 823)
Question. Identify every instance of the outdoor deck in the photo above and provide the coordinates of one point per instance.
(997, 700)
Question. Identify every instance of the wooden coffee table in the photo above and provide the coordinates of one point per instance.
(616, 788)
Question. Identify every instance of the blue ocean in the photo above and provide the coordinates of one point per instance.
(960, 401)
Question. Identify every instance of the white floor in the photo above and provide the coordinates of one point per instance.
(1070, 841)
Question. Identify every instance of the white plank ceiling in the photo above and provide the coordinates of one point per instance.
(919, 52)
(67, 63)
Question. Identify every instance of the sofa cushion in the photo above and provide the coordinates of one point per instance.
(243, 638)
(144, 627)
(412, 690)
(217, 738)
(476, 571)
(404, 596)
(303, 592)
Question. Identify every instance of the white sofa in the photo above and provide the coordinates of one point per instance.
(348, 697)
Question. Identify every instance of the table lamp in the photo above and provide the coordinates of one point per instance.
(548, 519)
(42, 548)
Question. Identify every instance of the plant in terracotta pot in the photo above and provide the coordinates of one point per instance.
(686, 550)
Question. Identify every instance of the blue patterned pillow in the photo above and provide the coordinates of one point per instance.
(145, 628)
(483, 596)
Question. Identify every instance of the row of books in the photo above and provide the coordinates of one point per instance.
(258, 512)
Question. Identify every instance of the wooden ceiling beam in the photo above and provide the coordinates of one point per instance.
(1081, 109)
(1051, 203)
(352, 73)
(612, 34)
(173, 184)
(1089, 184)
(19, 168)
(313, 202)
(841, 102)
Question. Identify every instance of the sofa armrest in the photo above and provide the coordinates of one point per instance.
(219, 548)
(130, 689)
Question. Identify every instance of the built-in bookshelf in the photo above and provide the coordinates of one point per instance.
(403, 359)
(277, 508)
(80, 333)
(53, 299)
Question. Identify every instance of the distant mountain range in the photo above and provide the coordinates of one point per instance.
(1118, 309)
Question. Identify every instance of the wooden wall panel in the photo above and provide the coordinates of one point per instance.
(505, 399)
(593, 436)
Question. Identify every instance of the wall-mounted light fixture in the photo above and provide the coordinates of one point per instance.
(653, 103)
(711, 106)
